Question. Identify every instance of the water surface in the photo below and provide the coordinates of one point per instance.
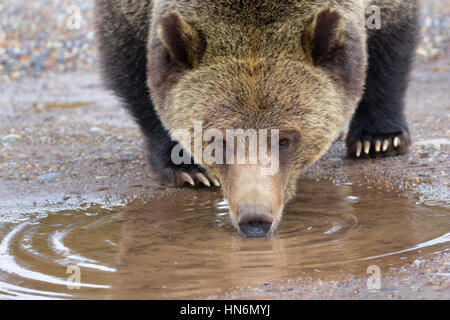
(185, 247)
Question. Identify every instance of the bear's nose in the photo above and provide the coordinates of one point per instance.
(254, 220)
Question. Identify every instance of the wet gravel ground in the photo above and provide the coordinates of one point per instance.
(44, 37)
(64, 139)
(423, 279)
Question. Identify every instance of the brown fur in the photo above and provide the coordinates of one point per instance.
(248, 77)
(294, 65)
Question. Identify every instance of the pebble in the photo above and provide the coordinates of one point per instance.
(48, 177)
(95, 129)
(10, 138)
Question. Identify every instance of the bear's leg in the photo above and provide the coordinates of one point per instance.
(123, 60)
(379, 126)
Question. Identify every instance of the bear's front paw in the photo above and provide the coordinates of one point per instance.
(378, 145)
(187, 175)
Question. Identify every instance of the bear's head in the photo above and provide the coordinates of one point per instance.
(290, 85)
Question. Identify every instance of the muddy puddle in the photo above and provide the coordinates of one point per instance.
(184, 246)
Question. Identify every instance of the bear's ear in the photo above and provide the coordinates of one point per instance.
(325, 36)
(183, 43)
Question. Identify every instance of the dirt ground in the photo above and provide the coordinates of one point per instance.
(77, 145)
(63, 138)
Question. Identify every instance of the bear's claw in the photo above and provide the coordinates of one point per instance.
(214, 180)
(378, 147)
(186, 177)
(196, 178)
(203, 179)
(382, 145)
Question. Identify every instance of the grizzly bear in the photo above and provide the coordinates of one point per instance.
(307, 68)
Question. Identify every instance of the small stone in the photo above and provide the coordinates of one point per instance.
(10, 138)
(95, 129)
(422, 52)
(15, 75)
(48, 177)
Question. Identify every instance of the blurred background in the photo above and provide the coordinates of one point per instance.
(45, 37)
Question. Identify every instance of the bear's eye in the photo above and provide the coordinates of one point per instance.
(284, 143)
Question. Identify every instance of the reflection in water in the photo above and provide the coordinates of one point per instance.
(181, 247)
